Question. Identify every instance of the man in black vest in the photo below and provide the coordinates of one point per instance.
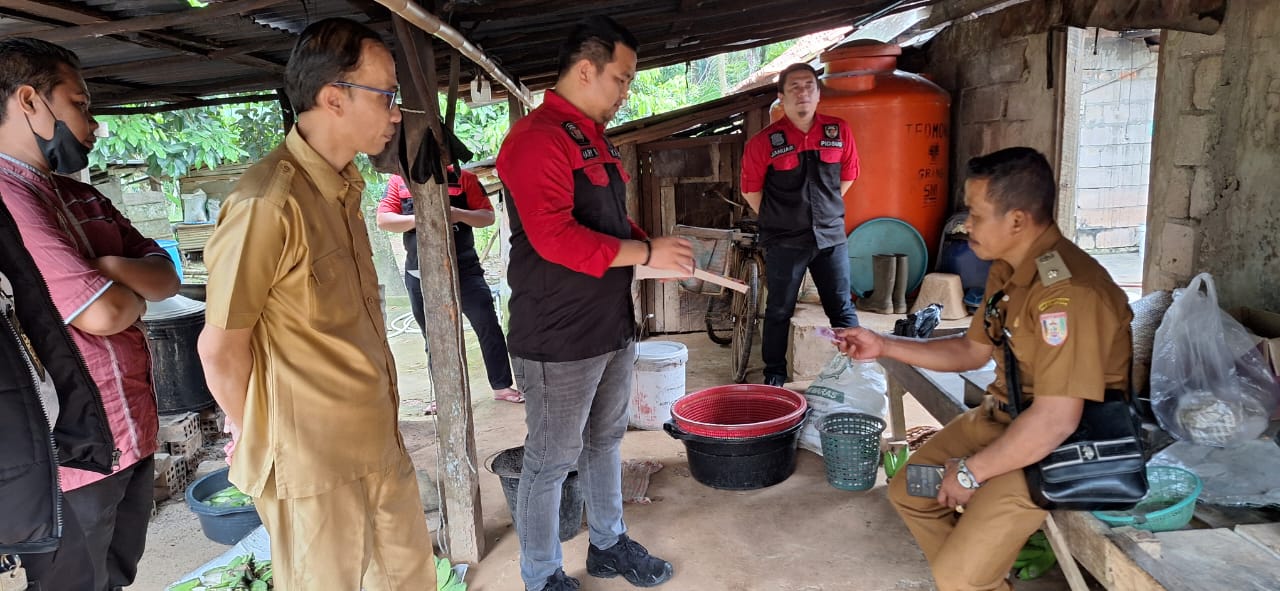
(572, 322)
(795, 173)
(469, 208)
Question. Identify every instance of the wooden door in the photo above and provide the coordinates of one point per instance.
(686, 181)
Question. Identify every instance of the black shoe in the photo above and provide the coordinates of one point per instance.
(558, 581)
(630, 560)
(775, 380)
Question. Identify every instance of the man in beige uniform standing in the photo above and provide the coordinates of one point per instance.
(295, 345)
(1069, 328)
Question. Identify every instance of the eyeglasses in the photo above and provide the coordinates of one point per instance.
(393, 96)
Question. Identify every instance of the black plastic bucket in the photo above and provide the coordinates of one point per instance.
(508, 463)
(175, 364)
(740, 463)
(224, 525)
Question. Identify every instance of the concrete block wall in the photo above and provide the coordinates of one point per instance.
(1113, 167)
(147, 211)
(995, 68)
(1215, 184)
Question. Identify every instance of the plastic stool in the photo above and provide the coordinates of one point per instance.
(942, 288)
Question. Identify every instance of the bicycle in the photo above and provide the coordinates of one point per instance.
(732, 317)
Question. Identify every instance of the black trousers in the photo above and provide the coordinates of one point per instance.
(111, 516)
(785, 267)
(64, 568)
(477, 305)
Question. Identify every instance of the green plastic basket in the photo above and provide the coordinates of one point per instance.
(851, 449)
(1170, 502)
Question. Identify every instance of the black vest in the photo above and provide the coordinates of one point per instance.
(464, 241)
(558, 314)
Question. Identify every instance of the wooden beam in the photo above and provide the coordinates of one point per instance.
(177, 61)
(459, 481)
(50, 12)
(148, 23)
(455, 67)
(189, 104)
(245, 84)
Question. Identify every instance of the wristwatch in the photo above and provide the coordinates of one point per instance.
(965, 477)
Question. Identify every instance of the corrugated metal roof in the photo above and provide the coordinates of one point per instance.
(522, 35)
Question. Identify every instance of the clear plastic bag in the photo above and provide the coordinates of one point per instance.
(844, 386)
(1209, 384)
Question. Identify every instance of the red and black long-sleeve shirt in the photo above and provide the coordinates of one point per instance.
(800, 174)
(568, 218)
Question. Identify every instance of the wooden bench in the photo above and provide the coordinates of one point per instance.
(1239, 550)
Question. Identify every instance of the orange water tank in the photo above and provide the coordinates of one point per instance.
(901, 124)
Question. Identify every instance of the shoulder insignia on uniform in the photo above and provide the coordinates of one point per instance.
(1052, 268)
(575, 133)
(1053, 328)
(278, 188)
(777, 139)
(831, 130)
(1051, 302)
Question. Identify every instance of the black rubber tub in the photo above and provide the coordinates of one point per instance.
(740, 463)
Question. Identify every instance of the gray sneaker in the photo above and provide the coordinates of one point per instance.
(629, 560)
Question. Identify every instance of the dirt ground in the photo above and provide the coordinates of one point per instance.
(800, 535)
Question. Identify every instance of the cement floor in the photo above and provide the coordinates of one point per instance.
(801, 535)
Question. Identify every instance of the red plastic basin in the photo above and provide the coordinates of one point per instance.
(739, 410)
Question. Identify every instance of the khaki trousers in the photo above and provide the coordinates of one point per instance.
(974, 550)
(369, 533)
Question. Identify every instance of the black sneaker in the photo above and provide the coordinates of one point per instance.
(630, 560)
(558, 581)
(775, 380)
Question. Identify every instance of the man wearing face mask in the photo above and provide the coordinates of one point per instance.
(572, 252)
(100, 272)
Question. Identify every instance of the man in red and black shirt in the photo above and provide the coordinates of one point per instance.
(794, 174)
(469, 208)
(572, 252)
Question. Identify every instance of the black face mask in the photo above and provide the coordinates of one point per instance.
(64, 152)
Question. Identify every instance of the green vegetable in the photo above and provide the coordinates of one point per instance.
(229, 497)
(1035, 558)
(894, 460)
(446, 579)
(191, 585)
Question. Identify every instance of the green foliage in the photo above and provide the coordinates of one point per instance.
(173, 143)
(482, 128)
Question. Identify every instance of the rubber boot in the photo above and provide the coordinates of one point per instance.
(883, 272)
(902, 269)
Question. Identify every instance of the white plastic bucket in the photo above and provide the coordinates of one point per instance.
(657, 383)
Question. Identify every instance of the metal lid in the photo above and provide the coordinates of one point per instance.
(175, 307)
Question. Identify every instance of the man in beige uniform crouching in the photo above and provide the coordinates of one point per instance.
(295, 346)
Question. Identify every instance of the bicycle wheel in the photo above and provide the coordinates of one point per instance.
(746, 317)
(719, 313)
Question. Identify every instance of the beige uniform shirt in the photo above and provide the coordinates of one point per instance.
(290, 258)
(1068, 320)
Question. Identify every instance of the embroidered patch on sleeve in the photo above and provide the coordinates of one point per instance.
(1053, 328)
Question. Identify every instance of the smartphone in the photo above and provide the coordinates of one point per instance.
(924, 480)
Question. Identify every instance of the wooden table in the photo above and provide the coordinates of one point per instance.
(1228, 553)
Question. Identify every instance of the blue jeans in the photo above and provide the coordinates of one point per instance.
(576, 413)
(784, 266)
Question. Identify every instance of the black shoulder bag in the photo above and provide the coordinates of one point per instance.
(1100, 467)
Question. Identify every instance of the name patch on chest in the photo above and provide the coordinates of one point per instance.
(780, 151)
(831, 144)
(589, 153)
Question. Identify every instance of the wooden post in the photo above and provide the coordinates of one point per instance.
(463, 518)
(286, 110)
